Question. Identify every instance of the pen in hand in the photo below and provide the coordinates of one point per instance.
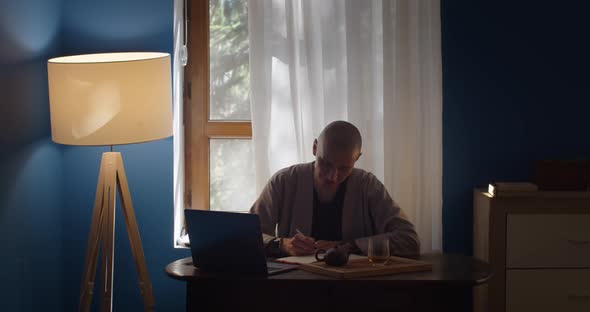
(305, 237)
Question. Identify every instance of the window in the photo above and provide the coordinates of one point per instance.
(218, 152)
(218, 156)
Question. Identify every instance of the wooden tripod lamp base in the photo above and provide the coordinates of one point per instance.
(111, 179)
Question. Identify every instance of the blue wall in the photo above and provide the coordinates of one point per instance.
(107, 26)
(515, 90)
(30, 165)
(514, 81)
(47, 190)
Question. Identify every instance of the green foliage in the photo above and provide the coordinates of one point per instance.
(229, 60)
(230, 169)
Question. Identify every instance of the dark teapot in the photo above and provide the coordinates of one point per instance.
(337, 256)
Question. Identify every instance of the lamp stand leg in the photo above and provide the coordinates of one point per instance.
(111, 179)
(108, 232)
(145, 285)
(93, 241)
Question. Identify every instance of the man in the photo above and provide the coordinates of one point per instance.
(328, 202)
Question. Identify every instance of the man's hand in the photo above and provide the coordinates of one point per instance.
(323, 244)
(298, 245)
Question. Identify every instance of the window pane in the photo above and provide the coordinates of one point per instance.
(231, 174)
(229, 64)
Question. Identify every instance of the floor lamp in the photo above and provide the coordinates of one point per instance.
(110, 99)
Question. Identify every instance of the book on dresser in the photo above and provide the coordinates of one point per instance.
(512, 189)
(539, 248)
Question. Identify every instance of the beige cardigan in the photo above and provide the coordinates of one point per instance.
(286, 204)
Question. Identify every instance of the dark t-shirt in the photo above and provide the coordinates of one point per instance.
(327, 217)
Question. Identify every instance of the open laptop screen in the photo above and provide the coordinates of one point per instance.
(226, 242)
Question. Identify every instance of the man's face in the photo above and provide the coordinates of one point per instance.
(333, 167)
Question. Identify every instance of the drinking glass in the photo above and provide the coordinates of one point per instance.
(378, 250)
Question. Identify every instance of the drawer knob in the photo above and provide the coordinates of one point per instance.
(578, 242)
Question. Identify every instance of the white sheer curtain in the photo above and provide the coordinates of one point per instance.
(179, 59)
(374, 63)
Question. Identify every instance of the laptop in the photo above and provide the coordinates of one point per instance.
(229, 243)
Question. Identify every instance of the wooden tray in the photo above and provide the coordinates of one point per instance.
(364, 268)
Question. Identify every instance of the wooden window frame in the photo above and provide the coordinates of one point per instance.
(198, 128)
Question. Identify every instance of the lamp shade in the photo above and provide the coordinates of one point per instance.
(110, 98)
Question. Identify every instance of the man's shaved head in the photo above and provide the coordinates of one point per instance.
(340, 136)
(336, 150)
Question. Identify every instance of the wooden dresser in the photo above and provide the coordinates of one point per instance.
(539, 248)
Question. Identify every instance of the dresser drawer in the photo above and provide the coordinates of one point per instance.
(541, 290)
(548, 241)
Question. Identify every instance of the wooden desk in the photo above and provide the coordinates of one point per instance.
(442, 289)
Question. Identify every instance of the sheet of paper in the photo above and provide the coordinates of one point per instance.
(310, 259)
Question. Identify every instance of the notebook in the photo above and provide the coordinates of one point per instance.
(229, 243)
